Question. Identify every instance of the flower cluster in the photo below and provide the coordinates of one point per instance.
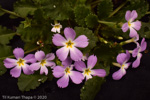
(123, 58)
(22, 63)
(68, 53)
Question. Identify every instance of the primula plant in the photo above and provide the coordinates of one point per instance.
(73, 41)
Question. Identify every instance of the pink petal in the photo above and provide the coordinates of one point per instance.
(75, 54)
(69, 33)
(76, 77)
(121, 58)
(135, 52)
(137, 25)
(92, 60)
(34, 67)
(9, 63)
(39, 55)
(143, 45)
(133, 15)
(44, 70)
(58, 40)
(81, 41)
(50, 56)
(30, 58)
(127, 16)
(15, 72)
(119, 74)
(125, 27)
(26, 70)
(50, 63)
(127, 65)
(136, 63)
(99, 72)
(67, 62)
(63, 82)
(62, 53)
(18, 52)
(133, 32)
(80, 65)
(58, 71)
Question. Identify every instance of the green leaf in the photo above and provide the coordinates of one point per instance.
(5, 51)
(28, 82)
(27, 22)
(145, 30)
(24, 8)
(106, 53)
(104, 9)
(91, 20)
(58, 9)
(90, 35)
(91, 88)
(82, 1)
(5, 35)
(81, 11)
(2, 68)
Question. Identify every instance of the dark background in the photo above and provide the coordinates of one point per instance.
(135, 85)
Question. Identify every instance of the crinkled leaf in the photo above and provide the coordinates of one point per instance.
(91, 88)
(81, 11)
(24, 8)
(58, 9)
(91, 20)
(90, 35)
(5, 35)
(34, 33)
(28, 82)
(104, 9)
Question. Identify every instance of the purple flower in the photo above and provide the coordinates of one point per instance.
(122, 60)
(43, 62)
(19, 63)
(133, 26)
(136, 53)
(70, 44)
(88, 71)
(65, 72)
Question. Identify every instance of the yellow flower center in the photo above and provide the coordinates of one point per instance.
(87, 71)
(57, 26)
(129, 24)
(43, 62)
(20, 62)
(122, 66)
(69, 44)
(67, 70)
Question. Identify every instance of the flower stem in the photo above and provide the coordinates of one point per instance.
(24, 53)
(116, 64)
(117, 9)
(148, 12)
(127, 41)
(10, 12)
